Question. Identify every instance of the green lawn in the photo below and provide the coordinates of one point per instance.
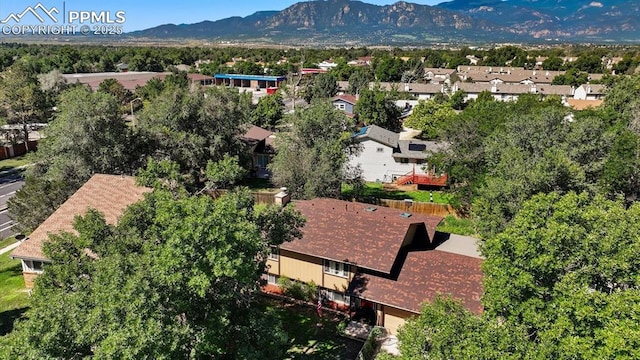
(6, 242)
(311, 337)
(13, 296)
(460, 226)
(376, 190)
(259, 185)
(8, 164)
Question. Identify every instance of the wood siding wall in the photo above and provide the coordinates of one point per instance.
(307, 268)
(29, 278)
(394, 318)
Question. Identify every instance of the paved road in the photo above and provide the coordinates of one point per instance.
(9, 184)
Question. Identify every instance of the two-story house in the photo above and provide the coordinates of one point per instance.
(375, 260)
(384, 157)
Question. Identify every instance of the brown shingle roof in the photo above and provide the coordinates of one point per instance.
(424, 275)
(109, 194)
(347, 98)
(346, 232)
(255, 133)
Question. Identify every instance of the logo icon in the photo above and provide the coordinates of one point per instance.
(35, 11)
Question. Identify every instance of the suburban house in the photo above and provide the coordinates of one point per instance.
(109, 194)
(438, 75)
(590, 92)
(386, 158)
(511, 92)
(345, 103)
(262, 150)
(420, 91)
(201, 79)
(248, 81)
(378, 263)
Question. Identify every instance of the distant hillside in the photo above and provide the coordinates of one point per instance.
(356, 22)
(568, 20)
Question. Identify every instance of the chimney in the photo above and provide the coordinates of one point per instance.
(282, 198)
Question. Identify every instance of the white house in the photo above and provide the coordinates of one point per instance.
(384, 157)
(589, 92)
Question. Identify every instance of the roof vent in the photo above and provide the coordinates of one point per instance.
(405, 215)
(371, 209)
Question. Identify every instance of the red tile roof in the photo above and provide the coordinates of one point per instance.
(424, 275)
(109, 194)
(345, 231)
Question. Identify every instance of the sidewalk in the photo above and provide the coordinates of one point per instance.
(10, 247)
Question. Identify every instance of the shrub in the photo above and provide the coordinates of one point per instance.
(297, 289)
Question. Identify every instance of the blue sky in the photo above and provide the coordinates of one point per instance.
(142, 14)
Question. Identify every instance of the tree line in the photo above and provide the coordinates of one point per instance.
(555, 196)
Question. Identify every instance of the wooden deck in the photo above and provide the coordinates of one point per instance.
(423, 179)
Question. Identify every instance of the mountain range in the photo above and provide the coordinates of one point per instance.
(347, 22)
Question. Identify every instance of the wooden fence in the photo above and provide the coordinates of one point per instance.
(427, 208)
(7, 152)
(259, 197)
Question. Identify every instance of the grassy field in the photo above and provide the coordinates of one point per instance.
(8, 164)
(13, 296)
(376, 190)
(313, 338)
(460, 226)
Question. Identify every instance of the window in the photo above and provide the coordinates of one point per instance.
(336, 268)
(272, 279)
(262, 161)
(380, 149)
(275, 253)
(404, 160)
(32, 266)
(337, 297)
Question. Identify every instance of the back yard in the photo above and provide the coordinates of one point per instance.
(13, 296)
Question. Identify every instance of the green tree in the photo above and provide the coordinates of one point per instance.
(376, 107)
(552, 63)
(175, 279)
(571, 77)
(561, 268)
(87, 136)
(21, 99)
(224, 173)
(192, 128)
(118, 91)
(359, 80)
(431, 118)
(446, 330)
(269, 111)
(312, 157)
(388, 68)
(622, 167)
(324, 86)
